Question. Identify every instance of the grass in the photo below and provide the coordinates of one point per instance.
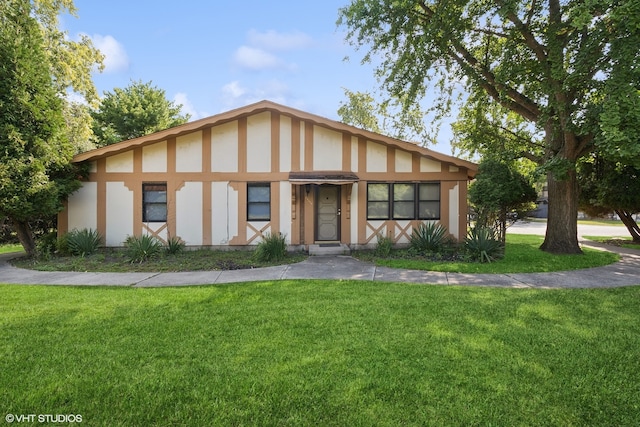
(615, 241)
(111, 260)
(521, 256)
(10, 248)
(331, 353)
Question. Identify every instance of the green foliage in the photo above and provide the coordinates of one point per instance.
(429, 237)
(273, 247)
(142, 248)
(47, 245)
(570, 73)
(83, 242)
(498, 190)
(384, 245)
(175, 245)
(137, 110)
(395, 117)
(483, 244)
(35, 174)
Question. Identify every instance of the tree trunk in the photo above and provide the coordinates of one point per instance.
(23, 230)
(562, 223)
(629, 222)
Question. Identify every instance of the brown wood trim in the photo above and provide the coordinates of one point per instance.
(242, 145)
(308, 146)
(295, 144)
(391, 160)
(275, 142)
(346, 152)
(101, 180)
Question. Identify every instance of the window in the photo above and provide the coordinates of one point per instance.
(429, 200)
(403, 200)
(378, 201)
(258, 202)
(154, 202)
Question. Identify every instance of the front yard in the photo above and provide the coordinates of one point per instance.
(322, 353)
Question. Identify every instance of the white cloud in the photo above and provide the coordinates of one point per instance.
(115, 56)
(273, 40)
(181, 98)
(255, 59)
(235, 95)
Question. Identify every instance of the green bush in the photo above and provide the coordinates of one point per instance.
(142, 248)
(272, 248)
(383, 246)
(46, 245)
(83, 242)
(175, 245)
(483, 245)
(429, 237)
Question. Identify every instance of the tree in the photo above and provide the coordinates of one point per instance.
(72, 63)
(607, 186)
(390, 117)
(497, 191)
(35, 170)
(570, 69)
(137, 110)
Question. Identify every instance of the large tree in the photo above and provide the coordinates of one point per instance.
(134, 111)
(571, 69)
(390, 117)
(35, 154)
(72, 61)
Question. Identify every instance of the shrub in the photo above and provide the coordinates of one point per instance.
(83, 242)
(142, 248)
(483, 244)
(429, 237)
(46, 245)
(383, 246)
(175, 245)
(272, 248)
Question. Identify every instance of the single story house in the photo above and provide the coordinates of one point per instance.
(227, 180)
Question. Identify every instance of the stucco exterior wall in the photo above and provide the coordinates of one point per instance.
(207, 172)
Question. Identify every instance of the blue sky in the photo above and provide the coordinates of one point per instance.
(215, 56)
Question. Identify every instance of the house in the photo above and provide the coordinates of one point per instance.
(226, 180)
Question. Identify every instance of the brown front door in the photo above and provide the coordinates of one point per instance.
(328, 213)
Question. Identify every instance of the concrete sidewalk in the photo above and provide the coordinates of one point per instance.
(623, 273)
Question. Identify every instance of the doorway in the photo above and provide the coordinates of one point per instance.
(328, 213)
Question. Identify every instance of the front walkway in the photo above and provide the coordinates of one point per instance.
(623, 273)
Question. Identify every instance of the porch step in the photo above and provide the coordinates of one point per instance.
(329, 249)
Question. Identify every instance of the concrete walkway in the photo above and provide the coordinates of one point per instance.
(623, 273)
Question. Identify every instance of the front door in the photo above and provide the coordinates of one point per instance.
(328, 213)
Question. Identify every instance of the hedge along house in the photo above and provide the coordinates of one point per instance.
(227, 180)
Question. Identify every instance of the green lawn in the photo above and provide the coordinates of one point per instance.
(330, 353)
(625, 242)
(8, 248)
(521, 256)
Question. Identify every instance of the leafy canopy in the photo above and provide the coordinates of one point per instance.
(35, 170)
(137, 110)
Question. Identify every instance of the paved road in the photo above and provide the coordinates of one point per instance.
(535, 227)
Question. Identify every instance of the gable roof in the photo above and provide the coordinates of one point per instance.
(260, 107)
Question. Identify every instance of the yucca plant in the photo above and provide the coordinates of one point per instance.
(429, 237)
(83, 242)
(141, 248)
(273, 247)
(175, 245)
(483, 245)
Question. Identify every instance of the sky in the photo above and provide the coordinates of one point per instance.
(213, 56)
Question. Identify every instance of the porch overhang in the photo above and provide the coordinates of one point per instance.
(332, 177)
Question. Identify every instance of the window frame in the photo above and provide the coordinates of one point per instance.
(258, 203)
(438, 200)
(148, 187)
(387, 201)
(416, 202)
